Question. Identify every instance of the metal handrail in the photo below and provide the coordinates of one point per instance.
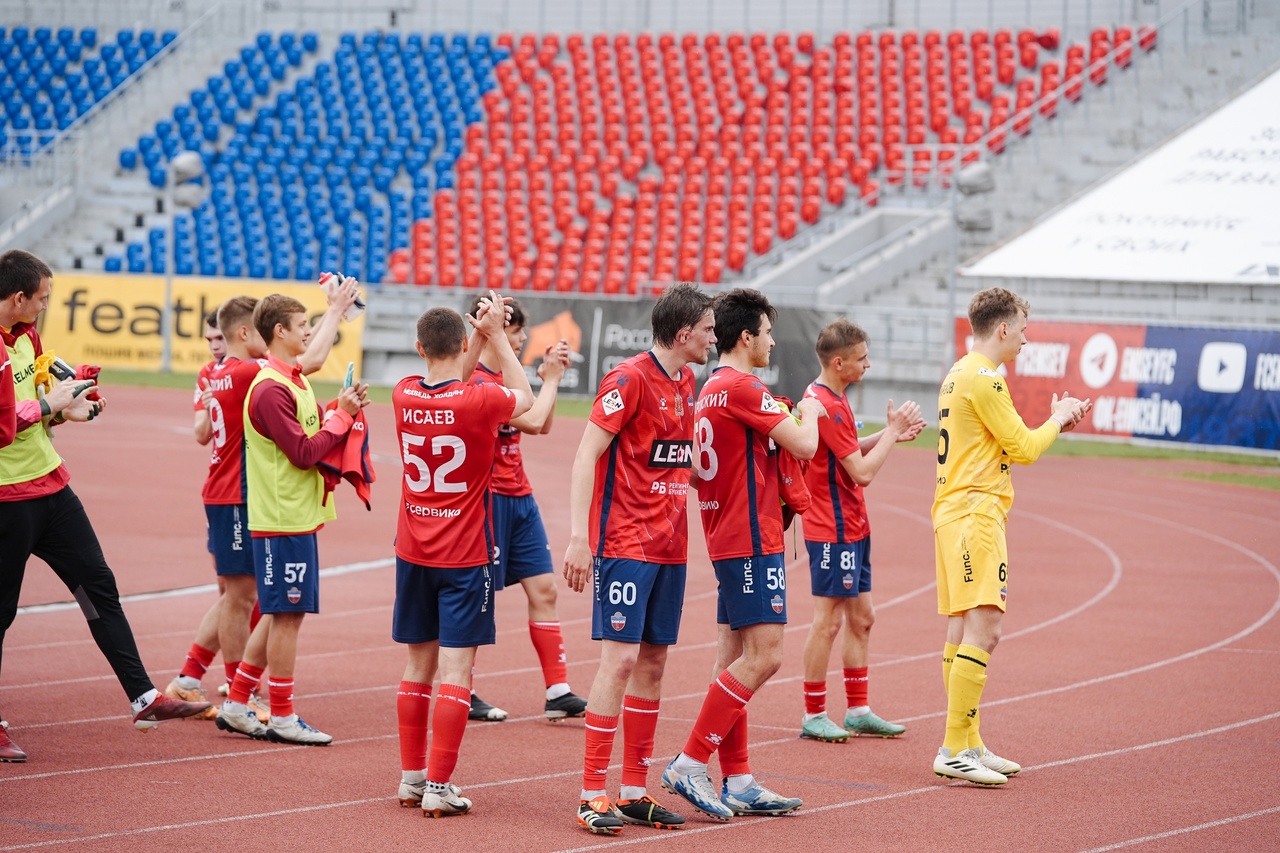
(874, 248)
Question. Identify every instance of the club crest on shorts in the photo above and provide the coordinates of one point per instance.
(847, 580)
(1004, 593)
(294, 594)
(777, 603)
(617, 621)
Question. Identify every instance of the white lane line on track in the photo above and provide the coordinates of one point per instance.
(332, 571)
(1213, 824)
(644, 840)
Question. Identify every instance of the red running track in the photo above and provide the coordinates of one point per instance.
(1136, 682)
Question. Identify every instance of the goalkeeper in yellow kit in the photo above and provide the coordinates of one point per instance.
(980, 437)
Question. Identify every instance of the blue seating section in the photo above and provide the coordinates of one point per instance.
(49, 78)
(327, 175)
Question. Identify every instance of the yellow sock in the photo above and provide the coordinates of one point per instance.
(948, 658)
(964, 692)
(975, 739)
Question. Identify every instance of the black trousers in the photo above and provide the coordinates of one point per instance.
(56, 529)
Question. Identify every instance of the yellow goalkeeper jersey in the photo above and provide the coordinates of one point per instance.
(979, 434)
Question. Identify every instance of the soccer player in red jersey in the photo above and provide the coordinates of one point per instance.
(629, 533)
(739, 428)
(39, 512)
(521, 552)
(448, 430)
(837, 534)
(225, 385)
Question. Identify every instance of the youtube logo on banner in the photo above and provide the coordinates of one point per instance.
(1222, 367)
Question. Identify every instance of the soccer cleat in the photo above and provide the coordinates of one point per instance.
(244, 723)
(824, 729)
(870, 724)
(166, 708)
(259, 710)
(9, 751)
(446, 803)
(697, 789)
(410, 794)
(564, 706)
(1003, 766)
(646, 812)
(758, 800)
(484, 712)
(967, 766)
(173, 691)
(597, 815)
(296, 731)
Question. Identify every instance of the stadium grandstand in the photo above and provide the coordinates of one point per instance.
(842, 156)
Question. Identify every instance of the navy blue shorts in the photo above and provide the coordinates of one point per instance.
(637, 602)
(288, 572)
(454, 606)
(753, 590)
(520, 547)
(229, 539)
(840, 571)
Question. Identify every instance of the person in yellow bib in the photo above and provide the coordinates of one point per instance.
(980, 437)
(41, 515)
(286, 436)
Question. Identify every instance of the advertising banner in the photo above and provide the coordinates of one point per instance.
(115, 320)
(1169, 383)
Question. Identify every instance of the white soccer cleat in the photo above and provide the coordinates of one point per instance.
(297, 731)
(451, 802)
(1003, 766)
(967, 766)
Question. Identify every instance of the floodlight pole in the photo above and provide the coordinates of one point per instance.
(170, 261)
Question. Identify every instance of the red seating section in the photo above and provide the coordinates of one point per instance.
(610, 161)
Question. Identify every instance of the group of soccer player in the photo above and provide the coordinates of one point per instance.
(468, 526)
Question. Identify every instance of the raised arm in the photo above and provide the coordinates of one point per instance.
(901, 424)
(326, 331)
(537, 421)
(800, 439)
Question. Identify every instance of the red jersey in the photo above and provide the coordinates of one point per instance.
(638, 508)
(229, 380)
(448, 435)
(8, 402)
(838, 512)
(509, 478)
(738, 466)
(203, 376)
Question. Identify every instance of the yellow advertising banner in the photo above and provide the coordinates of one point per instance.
(115, 320)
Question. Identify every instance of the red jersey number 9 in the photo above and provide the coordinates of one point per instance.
(218, 421)
(422, 480)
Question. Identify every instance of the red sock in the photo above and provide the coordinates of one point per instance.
(254, 615)
(595, 761)
(855, 686)
(727, 698)
(246, 682)
(197, 662)
(733, 749)
(413, 702)
(231, 667)
(447, 726)
(639, 723)
(281, 690)
(815, 697)
(549, 644)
